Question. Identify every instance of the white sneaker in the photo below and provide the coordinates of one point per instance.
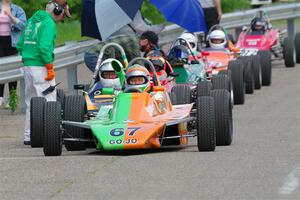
(1, 101)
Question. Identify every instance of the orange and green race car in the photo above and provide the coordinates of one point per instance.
(138, 120)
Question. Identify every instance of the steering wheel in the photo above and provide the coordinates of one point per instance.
(132, 89)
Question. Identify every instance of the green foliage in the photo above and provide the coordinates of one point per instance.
(70, 30)
(31, 6)
(150, 12)
(13, 100)
(234, 5)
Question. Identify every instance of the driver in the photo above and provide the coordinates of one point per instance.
(108, 77)
(191, 39)
(258, 25)
(217, 40)
(137, 77)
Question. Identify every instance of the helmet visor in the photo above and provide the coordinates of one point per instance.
(109, 75)
(137, 80)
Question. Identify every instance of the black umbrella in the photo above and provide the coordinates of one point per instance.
(101, 18)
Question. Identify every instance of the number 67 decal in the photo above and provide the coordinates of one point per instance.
(120, 131)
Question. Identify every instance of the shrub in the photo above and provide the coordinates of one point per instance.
(234, 5)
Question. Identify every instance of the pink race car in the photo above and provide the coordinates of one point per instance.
(271, 44)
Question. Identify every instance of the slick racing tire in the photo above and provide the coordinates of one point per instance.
(266, 67)
(52, 129)
(60, 97)
(183, 94)
(37, 121)
(288, 52)
(237, 76)
(172, 98)
(206, 126)
(248, 74)
(220, 81)
(223, 116)
(75, 109)
(203, 88)
(297, 47)
(256, 71)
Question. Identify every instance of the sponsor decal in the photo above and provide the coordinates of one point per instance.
(128, 141)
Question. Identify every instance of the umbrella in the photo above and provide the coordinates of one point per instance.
(185, 13)
(109, 15)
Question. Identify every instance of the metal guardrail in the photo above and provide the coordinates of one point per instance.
(71, 54)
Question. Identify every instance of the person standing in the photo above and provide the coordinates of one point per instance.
(212, 12)
(149, 44)
(36, 46)
(12, 22)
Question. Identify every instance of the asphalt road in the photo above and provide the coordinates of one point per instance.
(262, 163)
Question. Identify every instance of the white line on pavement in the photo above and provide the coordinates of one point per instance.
(291, 182)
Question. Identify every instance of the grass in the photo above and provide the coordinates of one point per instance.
(69, 31)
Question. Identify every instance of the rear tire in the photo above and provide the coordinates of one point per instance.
(237, 77)
(266, 67)
(37, 121)
(221, 81)
(288, 52)
(75, 109)
(223, 116)
(60, 97)
(206, 127)
(203, 88)
(52, 129)
(297, 47)
(172, 98)
(183, 94)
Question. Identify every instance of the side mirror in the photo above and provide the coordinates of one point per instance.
(244, 28)
(79, 87)
(173, 74)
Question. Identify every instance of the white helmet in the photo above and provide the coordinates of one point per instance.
(217, 39)
(190, 38)
(108, 77)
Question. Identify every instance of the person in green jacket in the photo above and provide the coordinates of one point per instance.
(36, 46)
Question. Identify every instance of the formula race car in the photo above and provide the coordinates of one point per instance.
(223, 57)
(191, 67)
(99, 92)
(141, 116)
(269, 43)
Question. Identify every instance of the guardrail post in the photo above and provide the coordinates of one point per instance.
(72, 79)
(291, 27)
(22, 95)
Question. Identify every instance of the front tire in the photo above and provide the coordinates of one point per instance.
(297, 47)
(237, 77)
(223, 116)
(288, 52)
(256, 71)
(206, 127)
(266, 67)
(52, 129)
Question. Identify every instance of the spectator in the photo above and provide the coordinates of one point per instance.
(36, 47)
(212, 12)
(149, 43)
(12, 22)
